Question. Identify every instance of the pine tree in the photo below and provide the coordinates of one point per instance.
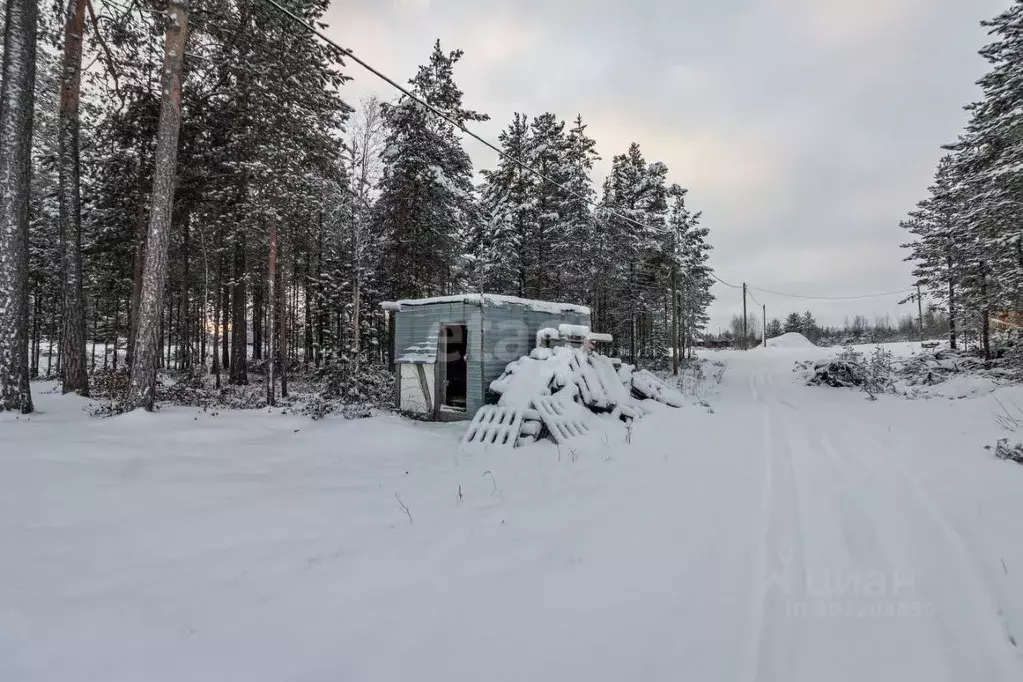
(793, 323)
(504, 245)
(633, 208)
(968, 250)
(808, 326)
(938, 250)
(690, 253)
(549, 248)
(577, 223)
(426, 209)
(16, 102)
(142, 388)
(75, 375)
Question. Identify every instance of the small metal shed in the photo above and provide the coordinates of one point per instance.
(448, 349)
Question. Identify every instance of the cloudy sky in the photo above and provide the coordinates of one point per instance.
(805, 129)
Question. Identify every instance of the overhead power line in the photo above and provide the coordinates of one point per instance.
(831, 298)
(520, 163)
(733, 286)
(461, 126)
(749, 293)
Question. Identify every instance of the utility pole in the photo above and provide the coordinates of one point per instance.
(920, 311)
(674, 318)
(745, 338)
(765, 324)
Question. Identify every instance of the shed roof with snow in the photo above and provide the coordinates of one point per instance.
(448, 349)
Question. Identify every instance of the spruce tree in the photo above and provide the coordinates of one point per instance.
(427, 208)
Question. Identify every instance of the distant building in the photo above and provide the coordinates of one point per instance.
(448, 349)
(710, 342)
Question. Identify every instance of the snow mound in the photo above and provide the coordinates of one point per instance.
(790, 340)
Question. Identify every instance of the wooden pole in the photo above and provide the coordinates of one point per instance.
(674, 319)
(745, 338)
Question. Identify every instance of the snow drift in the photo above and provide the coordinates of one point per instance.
(790, 340)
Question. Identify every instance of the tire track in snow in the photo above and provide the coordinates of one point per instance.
(751, 656)
(968, 600)
(772, 645)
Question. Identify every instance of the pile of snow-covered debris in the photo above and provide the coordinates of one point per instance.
(880, 372)
(937, 366)
(1013, 453)
(557, 392)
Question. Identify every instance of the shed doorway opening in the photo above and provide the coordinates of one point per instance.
(454, 346)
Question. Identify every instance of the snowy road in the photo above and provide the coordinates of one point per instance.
(867, 575)
(794, 534)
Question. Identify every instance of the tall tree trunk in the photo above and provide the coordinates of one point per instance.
(951, 308)
(16, 104)
(292, 329)
(985, 321)
(75, 377)
(117, 327)
(142, 385)
(184, 320)
(307, 354)
(106, 347)
(225, 321)
(356, 303)
(138, 257)
(49, 343)
(36, 332)
(74, 374)
(282, 308)
(321, 309)
(95, 333)
(257, 319)
(203, 321)
(271, 296)
(218, 284)
(239, 341)
(169, 328)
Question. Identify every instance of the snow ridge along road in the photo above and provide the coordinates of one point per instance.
(795, 534)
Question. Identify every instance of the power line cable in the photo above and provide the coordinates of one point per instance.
(830, 298)
(733, 286)
(750, 294)
(522, 164)
(461, 126)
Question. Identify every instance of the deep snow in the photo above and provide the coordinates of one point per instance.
(790, 340)
(795, 533)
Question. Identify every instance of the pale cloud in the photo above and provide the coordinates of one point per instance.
(493, 41)
(805, 129)
(411, 8)
(832, 25)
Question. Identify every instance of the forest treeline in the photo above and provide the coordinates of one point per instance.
(966, 243)
(190, 191)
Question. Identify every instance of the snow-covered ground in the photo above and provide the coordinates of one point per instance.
(792, 534)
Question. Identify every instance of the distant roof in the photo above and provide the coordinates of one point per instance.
(494, 300)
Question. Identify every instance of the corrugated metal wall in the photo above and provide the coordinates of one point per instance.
(509, 332)
(416, 329)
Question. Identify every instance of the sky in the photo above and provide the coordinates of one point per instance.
(805, 130)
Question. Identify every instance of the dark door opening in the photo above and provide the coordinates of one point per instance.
(454, 348)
